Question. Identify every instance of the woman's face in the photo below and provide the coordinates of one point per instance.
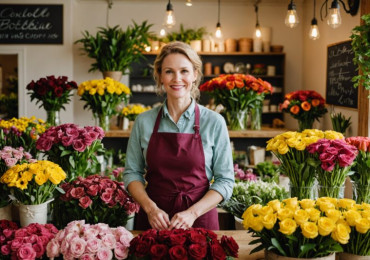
(177, 76)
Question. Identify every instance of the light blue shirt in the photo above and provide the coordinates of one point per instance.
(215, 140)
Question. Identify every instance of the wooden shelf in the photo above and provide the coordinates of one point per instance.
(265, 132)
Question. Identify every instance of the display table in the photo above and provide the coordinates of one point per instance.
(241, 237)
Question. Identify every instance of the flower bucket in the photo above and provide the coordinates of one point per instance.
(116, 75)
(130, 223)
(6, 212)
(272, 256)
(33, 213)
(238, 223)
(347, 256)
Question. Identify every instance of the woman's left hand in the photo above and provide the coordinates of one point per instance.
(184, 219)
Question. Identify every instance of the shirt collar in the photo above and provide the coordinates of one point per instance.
(188, 112)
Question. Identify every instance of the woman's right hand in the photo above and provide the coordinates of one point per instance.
(158, 219)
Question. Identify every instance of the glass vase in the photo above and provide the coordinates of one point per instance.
(256, 118)
(303, 192)
(305, 124)
(361, 193)
(237, 120)
(331, 191)
(53, 117)
(102, 120)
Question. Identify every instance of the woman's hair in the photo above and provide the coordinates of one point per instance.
(181, 48)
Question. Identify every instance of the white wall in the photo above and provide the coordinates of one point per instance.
(315, 58)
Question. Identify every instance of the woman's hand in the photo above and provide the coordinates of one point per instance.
(184, 219)
(158, 219)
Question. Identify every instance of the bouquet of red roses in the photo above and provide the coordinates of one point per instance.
(72, 147)
(194, 243)
(96, 199)
(29, 242)
(304, 105)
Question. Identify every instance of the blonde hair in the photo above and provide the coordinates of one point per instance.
(193, 57)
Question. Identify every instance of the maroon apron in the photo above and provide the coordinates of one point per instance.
(176, 174)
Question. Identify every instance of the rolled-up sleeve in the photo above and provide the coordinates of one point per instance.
(222, 161)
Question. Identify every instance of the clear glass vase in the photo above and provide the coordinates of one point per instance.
(306, 192)
(361, 193)
(331, 191)
(53, 117)
(237, 120)
(102, 120)
(256, 118)
(305, 124)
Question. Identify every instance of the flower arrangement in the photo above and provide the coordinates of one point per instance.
(9, 157)
(246, 194)
(339, 122)
(240, 175)
(84, 241)
(7, 230)
(52, 93)
(74, 148)
(30, 242)
(304, 105)
(290, 149)
(102, 97)
(96, 199)
(268, 171)
(195, 243)
(23, 131)
(335, 158)
(302, 229)
(33, 183)
(361, 175)
(237, 93)
(131, 111)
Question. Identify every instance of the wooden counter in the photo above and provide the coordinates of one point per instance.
(242, 238)
(265, 132)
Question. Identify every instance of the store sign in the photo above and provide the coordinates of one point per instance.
(31, 24)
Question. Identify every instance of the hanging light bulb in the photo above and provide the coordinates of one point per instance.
(314, 33)
(162, 32)
(257, 32)
(218, 32)
(188, 3)
(334, 18)
(169, 19)
(291, 18)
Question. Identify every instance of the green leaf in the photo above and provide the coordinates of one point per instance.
(65, 152)
(72, 161)
(305, 248)
(276, 244)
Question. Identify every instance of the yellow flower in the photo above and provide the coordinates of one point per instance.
(269, 220)
(285, 213)
(366, 213)
(253, 209)
(283, 148)
(301, 216)
(287, 226)
(307, 203)
(325, 225)
(291, 203)
(255, 223)
(265, 210)
(21, 184)
(314, 214)
(352, 216)
(41, 178)
(333, 214)
(332, 135)
(346, 203)
(362, 225)
(340, 234)
(274, 204)
(309, 230)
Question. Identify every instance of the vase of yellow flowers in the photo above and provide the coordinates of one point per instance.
(102, 97)
(33, 186)
(130, 112)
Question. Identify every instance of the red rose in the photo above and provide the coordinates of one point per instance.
(197, 238)
(158, 251)
(107, 195)
(77, 193)
(84, 202)
(177, 239)
(230, 246)
(178, 253)
(217, 252)
(40, 89)
(58, 91)
(67, 140)
(44, 144)
(92, 190)
(142, 248)
(197, 251)
(79, 145)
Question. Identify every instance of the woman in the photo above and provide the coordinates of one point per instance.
(179, 147)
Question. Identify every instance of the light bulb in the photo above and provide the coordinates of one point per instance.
(334, 18)
(291, 18)
(314, 30)
(258, 32)
(162, 32)
(188, 3)
(218, 32)
(169, 19)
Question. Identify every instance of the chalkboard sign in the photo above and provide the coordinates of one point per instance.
(340, 71)
(31, 24)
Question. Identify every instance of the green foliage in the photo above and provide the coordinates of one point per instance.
(339, 122)
(186, 35)
(268, 171)
(114, 49)
(9, 105)
(361, 47)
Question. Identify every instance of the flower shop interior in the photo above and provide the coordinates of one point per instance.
(306, 86)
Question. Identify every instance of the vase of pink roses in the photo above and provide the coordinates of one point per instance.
(74, 148)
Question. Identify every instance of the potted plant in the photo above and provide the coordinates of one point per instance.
(361, 46)
(114, 49)
(189, 36)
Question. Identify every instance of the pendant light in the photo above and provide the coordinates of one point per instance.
(334, 18)
(218, 32)
(291, 18)
(169, 19)
(188, 3)
(257, 32)
(162, 32)
(314, 30)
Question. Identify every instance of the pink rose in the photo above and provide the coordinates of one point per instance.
(77, 247)
(52, 249)
(90, 137)
(79, 145)
(27, 155)
(84, 202)
(327, 158)
(107, 195)
(26, 252)
(44, 144)
(92, 190)
(17, 154)
(104, 254)
(16, 243)
(93, 245)
(131, 207)
(5, 249)
(77, 192)
(10, 162)
(327, 167)
(87, 257)
(345, 160)
(39, 249)
(121, 251)
(332, 150)
(8, 232)
(109, 241)
(72, 132)
(67, 140)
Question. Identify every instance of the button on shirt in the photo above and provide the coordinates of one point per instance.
(215, 140)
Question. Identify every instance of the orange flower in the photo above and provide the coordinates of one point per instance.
(230, 85)
(285, 104)
(294, 109)
(315, 102)
(306, 106)
(239, 83)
